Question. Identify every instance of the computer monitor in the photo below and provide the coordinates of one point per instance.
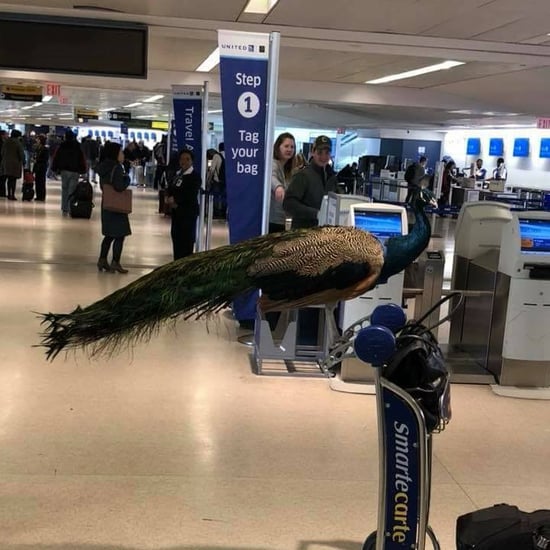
(473, 146)
(496, 147)
(521, 147)
(534, 235)
(381, 220)
(525, 243)
(544, 148)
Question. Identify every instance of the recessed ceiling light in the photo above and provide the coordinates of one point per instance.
(133, 104)
(416, 72)
(47, 98)
(107, 109)
(215, 111)
(153, 98)
(260, 6)
(210, 62)
(27, 107)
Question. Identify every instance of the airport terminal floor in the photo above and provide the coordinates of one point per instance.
(177, 445)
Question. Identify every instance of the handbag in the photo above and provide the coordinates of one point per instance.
(116, 201)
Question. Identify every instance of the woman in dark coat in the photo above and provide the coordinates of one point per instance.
(182, 195)
(114, 225)
(13, 159)
(40, 168)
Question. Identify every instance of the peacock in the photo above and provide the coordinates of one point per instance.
(293, 269)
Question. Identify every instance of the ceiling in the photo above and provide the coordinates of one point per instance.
(328, 50)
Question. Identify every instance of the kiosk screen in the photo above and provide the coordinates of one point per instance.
(382, 225)
(535, 236)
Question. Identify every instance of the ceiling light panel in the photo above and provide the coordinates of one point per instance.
(210, 62)
(260, 6)
(153, 98)
(416, 72)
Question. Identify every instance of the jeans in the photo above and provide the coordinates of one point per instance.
(69, 181)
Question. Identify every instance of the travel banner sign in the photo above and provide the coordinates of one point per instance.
(188, 121)
(243, 76)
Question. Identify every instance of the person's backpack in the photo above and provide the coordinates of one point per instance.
(410, 172)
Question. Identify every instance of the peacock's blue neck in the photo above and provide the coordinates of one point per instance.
(402, 251)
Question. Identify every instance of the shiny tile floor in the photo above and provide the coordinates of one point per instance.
(178, 446)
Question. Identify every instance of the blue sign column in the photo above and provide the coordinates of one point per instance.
(188, 109)
(243, 72)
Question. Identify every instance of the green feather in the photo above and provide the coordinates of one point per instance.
(194, 286)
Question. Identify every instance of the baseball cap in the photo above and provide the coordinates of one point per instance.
(322, 142)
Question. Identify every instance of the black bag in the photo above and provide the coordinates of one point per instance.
(81, 209)
(83, 192)
(418, 367)
(503, 527)
(81, 200)
(27, 191)
(410, 172)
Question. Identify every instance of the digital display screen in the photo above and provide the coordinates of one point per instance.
(72, 45)
(496, 147)
(473, 146)
(545, 148)
(382, 225)
(535, 236)
(521, 147)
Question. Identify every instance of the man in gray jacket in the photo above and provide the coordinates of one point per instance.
(305, 193)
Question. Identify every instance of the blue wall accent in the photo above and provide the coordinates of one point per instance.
(408, 148)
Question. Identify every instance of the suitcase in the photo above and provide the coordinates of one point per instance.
(502, 527)
(81, 209)
(27, 191)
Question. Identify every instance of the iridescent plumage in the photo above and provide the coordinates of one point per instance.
(293, 269)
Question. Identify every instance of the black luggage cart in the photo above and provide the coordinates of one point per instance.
(405, 442)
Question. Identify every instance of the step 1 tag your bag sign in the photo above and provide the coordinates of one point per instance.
(243, 76)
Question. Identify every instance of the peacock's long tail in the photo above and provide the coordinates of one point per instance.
(194, 286)
(293, 269)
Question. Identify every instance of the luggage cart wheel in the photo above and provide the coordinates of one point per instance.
(370, 543)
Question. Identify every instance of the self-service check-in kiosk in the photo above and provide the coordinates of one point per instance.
(335, 208)
(478, 238)
(519, 353)
(300, 336)
(383, 221)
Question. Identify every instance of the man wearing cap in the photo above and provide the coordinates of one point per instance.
(305, 192)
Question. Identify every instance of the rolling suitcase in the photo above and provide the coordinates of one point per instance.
(81, 201)
(28, 186)
(27, 191)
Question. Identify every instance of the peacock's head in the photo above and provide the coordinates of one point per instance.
(425, 196)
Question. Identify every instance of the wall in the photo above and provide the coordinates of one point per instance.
(522, 172)
(350, 147)
(412, 149)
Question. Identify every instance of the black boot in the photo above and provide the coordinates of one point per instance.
(103, 265)
(115, 266)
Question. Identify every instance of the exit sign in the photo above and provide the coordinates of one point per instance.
(53, 89)
(543, 123)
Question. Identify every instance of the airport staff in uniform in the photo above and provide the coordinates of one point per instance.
(304, 195)
(480, 173)
(183, 198)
